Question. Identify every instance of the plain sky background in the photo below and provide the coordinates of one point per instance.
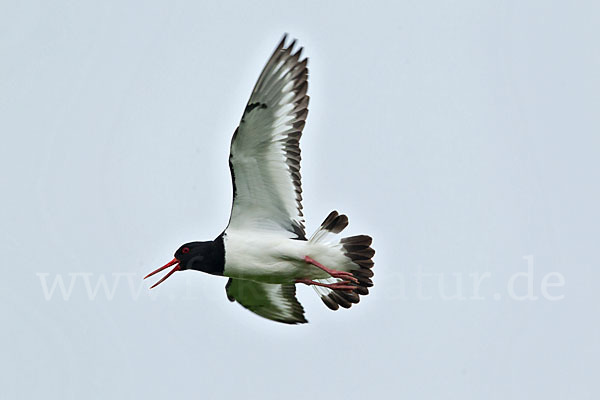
(463, 136)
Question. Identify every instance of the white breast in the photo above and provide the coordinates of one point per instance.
(263, 257)
(266, 257)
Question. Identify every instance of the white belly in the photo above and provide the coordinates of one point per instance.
(271, 258)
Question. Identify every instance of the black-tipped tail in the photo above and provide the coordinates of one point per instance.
(359, 254)
(358, 249)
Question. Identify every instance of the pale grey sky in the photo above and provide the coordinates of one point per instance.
(463, 136)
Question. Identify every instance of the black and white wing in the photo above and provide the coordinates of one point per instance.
(265, 149)
(273, 301)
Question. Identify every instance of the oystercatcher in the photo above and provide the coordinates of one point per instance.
(264, 250)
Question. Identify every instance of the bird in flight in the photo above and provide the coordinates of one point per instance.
(264, 250)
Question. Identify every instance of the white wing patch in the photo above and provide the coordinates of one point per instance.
(265, 149)
(272, 301)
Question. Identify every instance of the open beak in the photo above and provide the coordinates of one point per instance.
(167, 265)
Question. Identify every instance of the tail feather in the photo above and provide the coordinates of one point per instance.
(359, 252)
(334, 223)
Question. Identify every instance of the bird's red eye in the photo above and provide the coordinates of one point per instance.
(185, 250)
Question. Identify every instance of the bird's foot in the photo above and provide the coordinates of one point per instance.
(333, 272)
(343, 285)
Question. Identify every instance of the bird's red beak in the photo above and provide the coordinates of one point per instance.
(167, 265)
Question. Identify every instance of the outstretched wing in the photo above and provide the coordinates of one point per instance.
(273, 301)
(265, 149)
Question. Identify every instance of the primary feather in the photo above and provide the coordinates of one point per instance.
(265, 149)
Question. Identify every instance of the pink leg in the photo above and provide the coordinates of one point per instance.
(333, 272)
(345, 285)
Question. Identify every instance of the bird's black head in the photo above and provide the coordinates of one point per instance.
(194, 255)
(207, 257)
